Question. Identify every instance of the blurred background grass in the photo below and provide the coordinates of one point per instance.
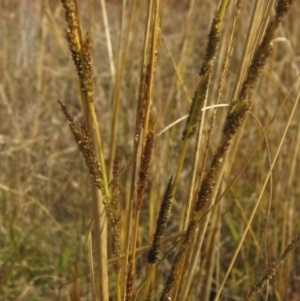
(45, 208)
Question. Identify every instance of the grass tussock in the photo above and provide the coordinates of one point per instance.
(166, 196)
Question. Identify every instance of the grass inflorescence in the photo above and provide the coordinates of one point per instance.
(173, 197)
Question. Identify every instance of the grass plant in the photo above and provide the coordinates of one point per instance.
(173, 196)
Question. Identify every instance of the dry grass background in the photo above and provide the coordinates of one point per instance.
(45, 207)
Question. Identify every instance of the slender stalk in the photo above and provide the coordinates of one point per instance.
(193, 257)
(140, 112)
(81, 53)
(108, 40)
(117, 89)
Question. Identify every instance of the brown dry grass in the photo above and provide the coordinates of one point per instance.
(45, 207)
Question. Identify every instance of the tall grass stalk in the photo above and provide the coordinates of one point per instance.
(178, 284)
(81, 53)
(187, 183)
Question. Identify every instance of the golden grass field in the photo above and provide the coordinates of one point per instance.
(79, 218)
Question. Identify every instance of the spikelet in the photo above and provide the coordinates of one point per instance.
(80, 50)
(84, 142)
(200, 95)
(143, 174)
(274, 267)
(161, 225)
(114, 215)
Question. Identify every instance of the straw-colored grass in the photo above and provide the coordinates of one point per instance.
(181, 182)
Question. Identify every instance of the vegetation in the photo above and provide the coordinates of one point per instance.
(181, 183)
